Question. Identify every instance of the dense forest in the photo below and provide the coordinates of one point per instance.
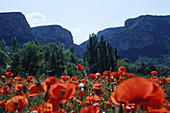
(53, 60)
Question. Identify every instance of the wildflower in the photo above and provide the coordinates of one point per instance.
(21, 102)
(95, 108)
(93, 76)
(29, 79)
(8, 73)
(79, 67)
(56, 91)
(140, 91)
(65, 79)
(3, 78)
(154, 73)
(51, 81)
(121, 69)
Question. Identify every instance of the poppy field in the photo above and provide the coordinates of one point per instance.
(107, 92)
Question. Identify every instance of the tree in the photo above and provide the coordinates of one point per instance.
(57, 59)
(16, 66)
(99, 56)
(111, 60)
(3, 46)
(91, 54)
(71, 62)
(4, 60)
(31, 58)
(15, 45)
(102, 55)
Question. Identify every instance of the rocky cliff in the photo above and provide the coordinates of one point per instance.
(53, 33)
(143, 36)
(15, 25)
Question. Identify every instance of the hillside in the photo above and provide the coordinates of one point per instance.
(14, 24)
(145, 35)
(142, 36)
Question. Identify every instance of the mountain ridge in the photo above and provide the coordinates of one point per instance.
(146, 35)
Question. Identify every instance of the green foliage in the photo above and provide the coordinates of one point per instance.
(4, 60)
(71, 62)
(15, 45)
(53, 60)
(31, 58)
(3, 46)
(91, 54)
(130, 67)
(163, 59)
(99, 56)
(16, 63)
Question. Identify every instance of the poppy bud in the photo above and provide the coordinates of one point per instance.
(63, 92)
(93, 94)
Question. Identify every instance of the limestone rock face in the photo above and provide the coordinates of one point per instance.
(14, 25)
(53, 33)
(142, 36)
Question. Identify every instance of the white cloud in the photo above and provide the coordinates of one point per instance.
(35, 19)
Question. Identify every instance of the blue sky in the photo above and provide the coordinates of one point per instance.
(83, 17)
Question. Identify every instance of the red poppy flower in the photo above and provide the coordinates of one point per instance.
(6, 90)
(45, 108)
(81, 94)
(107, 73)
(98, 74)
(93, 76)
(21, 102)
(2, 102)
(63, 91)
(8, 73)
(19, 79)
(18, 87)
(154, 73)
(65, 79)
(79, 102)
(3, 78)
(156, 99)
(129, 75)
(92, 99)
(161, 110)
(91, 109)
(97, 86)
(85, 79)
(29, 79)
(51, 81)
(121, 69)
(140, 91)
(117, 74)
(34, 89)
(1, 92)
(79, 67)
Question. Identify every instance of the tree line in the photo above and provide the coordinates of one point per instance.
(34, 59)
(54, 60)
